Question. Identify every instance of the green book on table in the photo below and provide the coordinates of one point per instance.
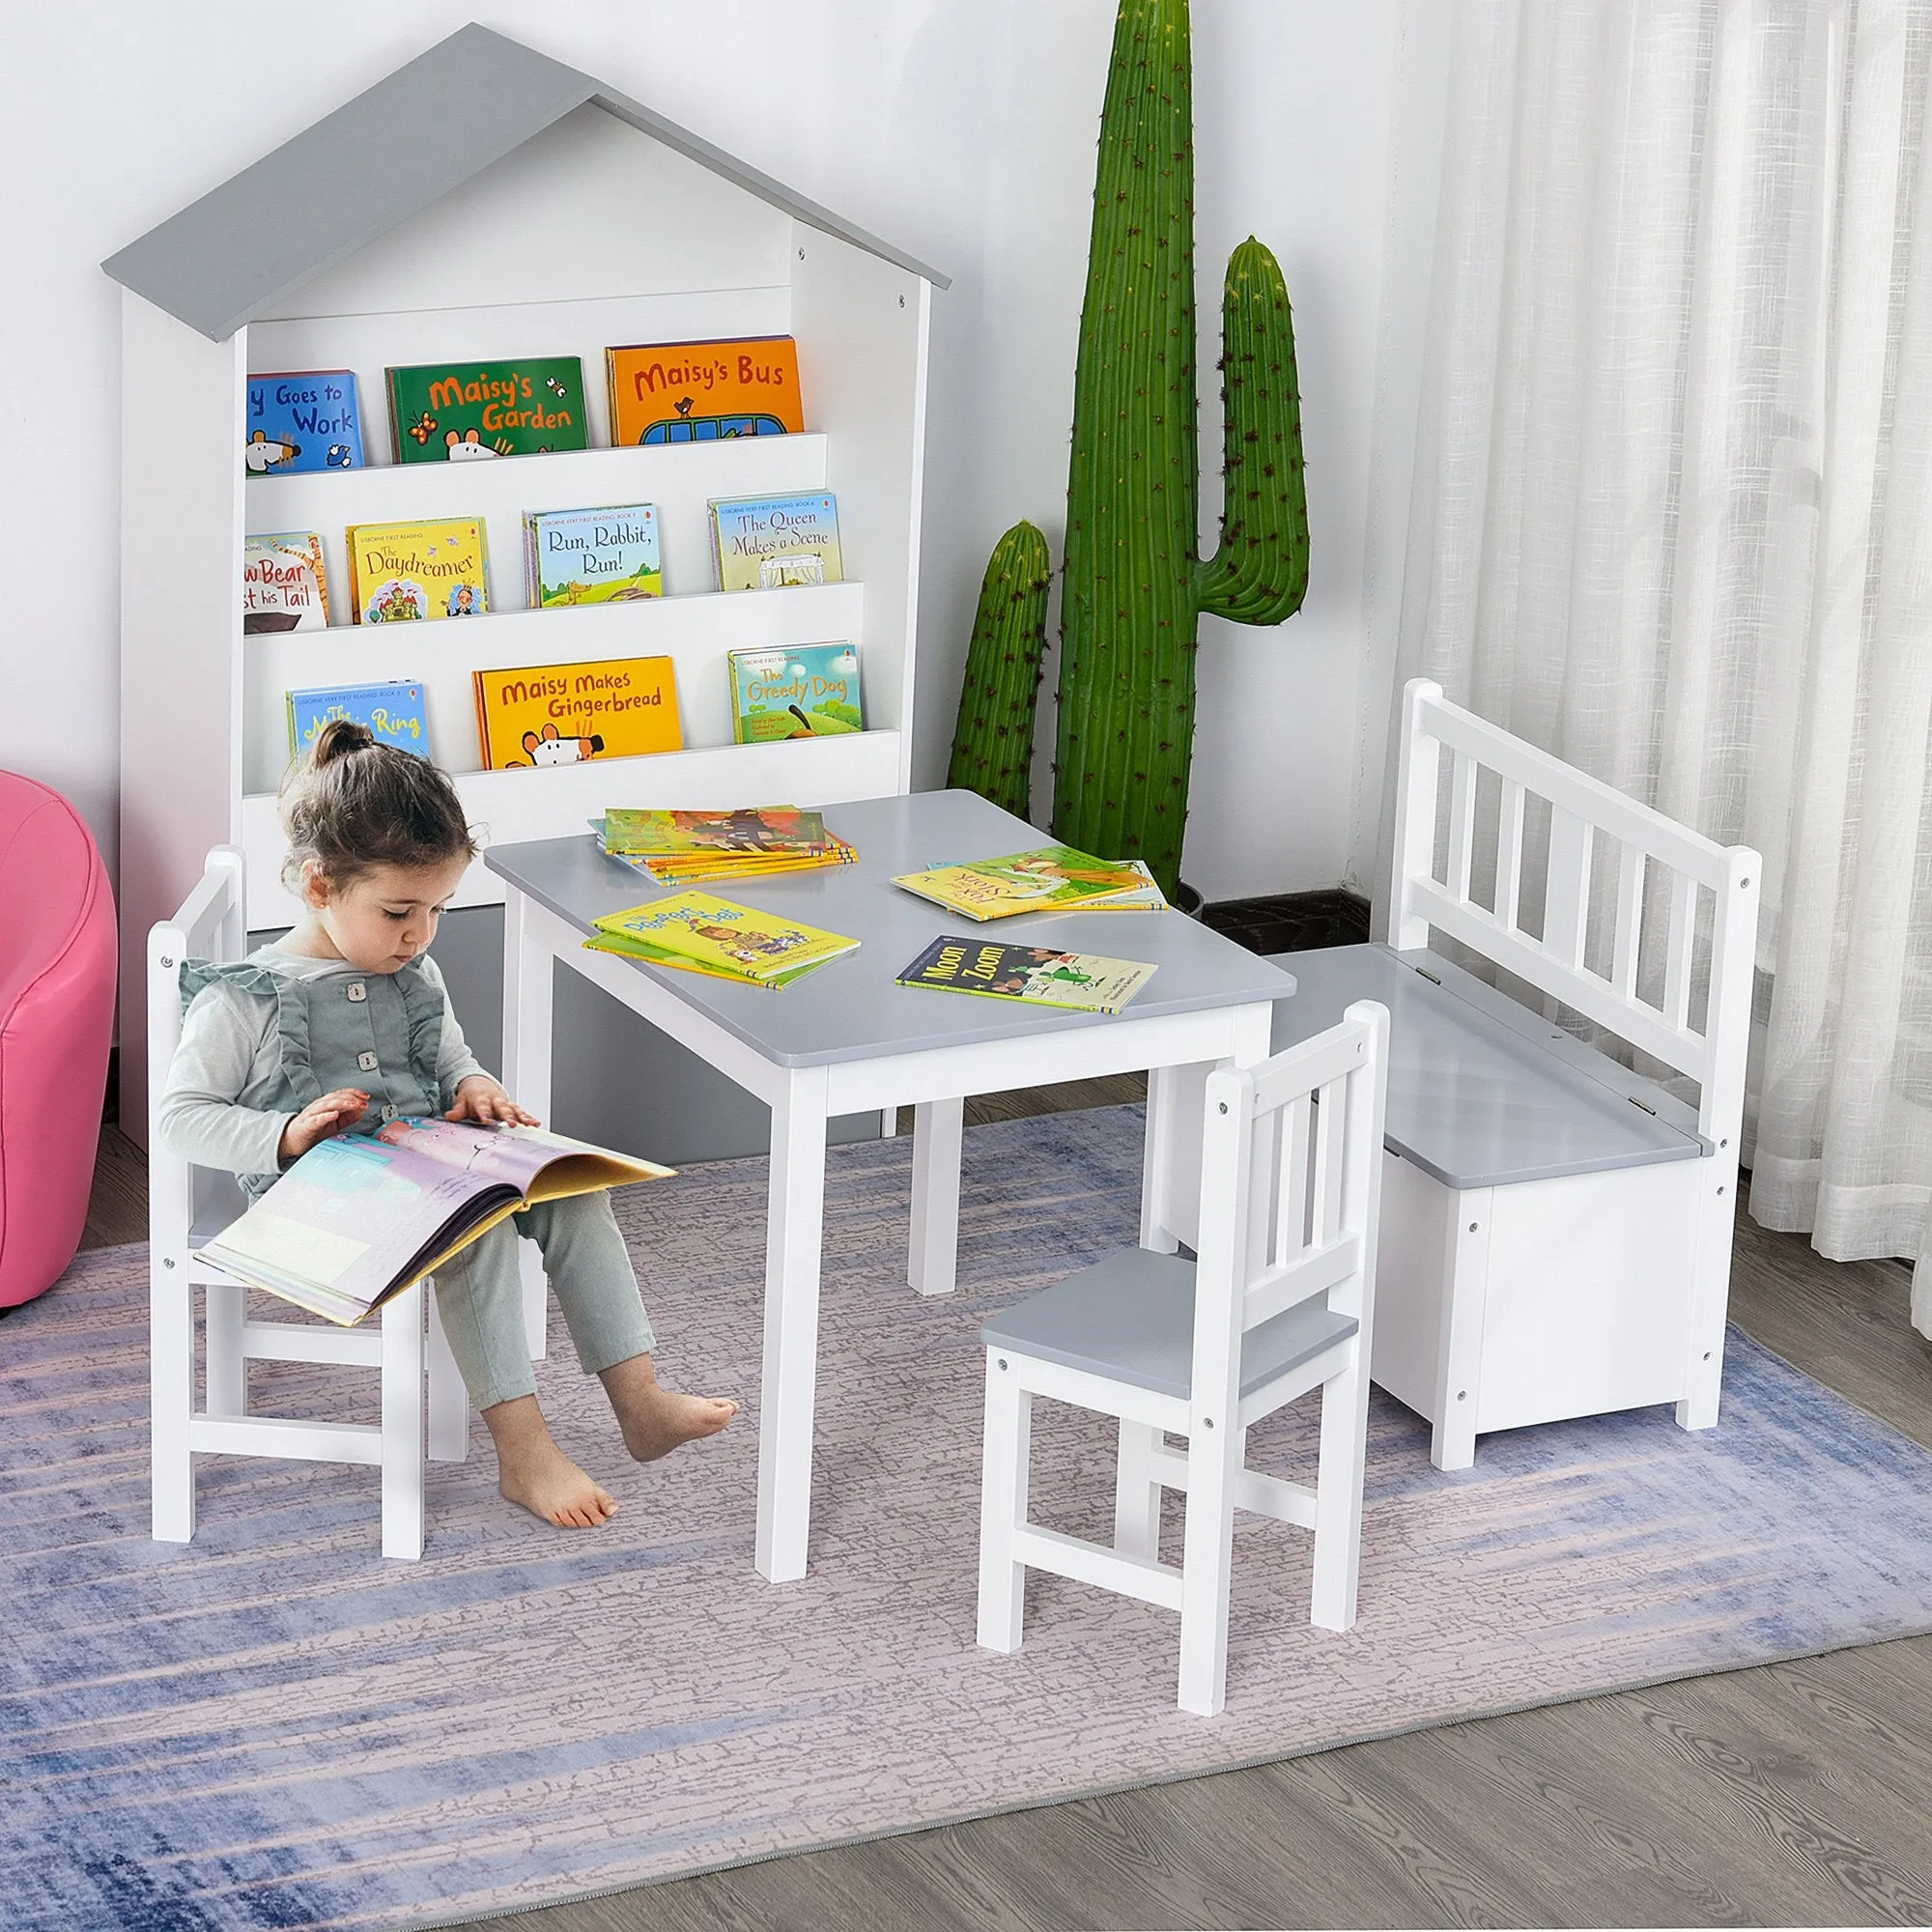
(1037, 975)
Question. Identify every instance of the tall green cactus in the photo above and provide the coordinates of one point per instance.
(992, 743)
(1135, 583)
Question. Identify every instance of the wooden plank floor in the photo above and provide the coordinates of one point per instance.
(1797, 1794)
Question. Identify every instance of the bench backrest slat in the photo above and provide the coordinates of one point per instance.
(1594, 832)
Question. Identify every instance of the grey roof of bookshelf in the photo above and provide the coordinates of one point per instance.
(383, 156)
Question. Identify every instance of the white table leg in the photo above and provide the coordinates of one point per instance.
(937, 1130)
(793, 1233)
(529, 971)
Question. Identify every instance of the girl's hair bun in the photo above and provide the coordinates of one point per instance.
(337, 739)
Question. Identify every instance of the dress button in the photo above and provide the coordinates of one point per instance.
(388, 1112)
(357, 992)
(366, 1061)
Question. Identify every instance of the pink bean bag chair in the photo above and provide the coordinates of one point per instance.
(57, 968)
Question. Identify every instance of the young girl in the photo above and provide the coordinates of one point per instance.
(344, 1025)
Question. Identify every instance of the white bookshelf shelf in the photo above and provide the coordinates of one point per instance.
(696, 633)
(680, 480)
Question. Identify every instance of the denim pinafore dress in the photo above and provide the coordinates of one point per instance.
(379, 1032)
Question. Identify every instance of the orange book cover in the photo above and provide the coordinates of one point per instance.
(703, 391)
(562, 714)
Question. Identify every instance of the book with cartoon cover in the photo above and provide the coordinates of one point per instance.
(768, 543)
(284, 583)
(663, 392)
(470, 412)
(721, 936)
(1049, 878)
(591, 557)
(1088, 982)
(564, 713)
(362, 1215)
(393, 710)
(414, 573)
(799, 691)
(777, 829)
(302, 419)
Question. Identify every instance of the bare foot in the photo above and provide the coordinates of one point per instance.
(656, 1420)
(533, 1472)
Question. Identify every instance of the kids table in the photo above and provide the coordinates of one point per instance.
(846, 1039)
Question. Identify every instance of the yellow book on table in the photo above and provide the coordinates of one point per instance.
(719, 936)
(565, 713)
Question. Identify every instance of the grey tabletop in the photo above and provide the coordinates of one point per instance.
(852, 1009)
(1481, 1091)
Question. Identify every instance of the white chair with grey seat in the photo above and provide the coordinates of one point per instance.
(1279, 1303)
(187, 1207)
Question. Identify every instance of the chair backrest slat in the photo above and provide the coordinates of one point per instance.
(1289, 1185)
(1625, 987)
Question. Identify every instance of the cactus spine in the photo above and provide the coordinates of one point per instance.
(1135, 584)
(992, 743)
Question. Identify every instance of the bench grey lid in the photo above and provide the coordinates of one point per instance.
(1130, 1317)
(1482, 1091)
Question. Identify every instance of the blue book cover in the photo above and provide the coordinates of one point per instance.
(765, 543)
(303, 419)
(799, 691)
(592, 556)
(393, 711)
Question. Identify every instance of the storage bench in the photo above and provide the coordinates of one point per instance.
(1555, 1230)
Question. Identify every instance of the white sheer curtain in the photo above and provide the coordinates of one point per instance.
(1672, 516)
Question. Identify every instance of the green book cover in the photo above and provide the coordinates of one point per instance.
(469, 412)
(1035, 975)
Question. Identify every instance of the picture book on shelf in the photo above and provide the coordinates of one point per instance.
(703, 391)
(392, 710)
(1051, 878)
(302, 419)
(284, 583)
(1087, 982)
(468, 412)
(763, 543)
(361, 1215)
(409, 573)
(705, 935)
(808, 691)
(591, 557)
(562, 714)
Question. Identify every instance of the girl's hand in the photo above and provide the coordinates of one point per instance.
(321, 1119)
(479, 1099)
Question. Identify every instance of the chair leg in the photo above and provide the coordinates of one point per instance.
(448, 1398)
(1003, 1504)
(227, 1370)
(1136, 1492)
(403, 1424)
(1337, 1494)
(171, 1397)
(1213, 1461)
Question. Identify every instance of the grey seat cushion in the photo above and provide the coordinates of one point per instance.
(1131, 1318)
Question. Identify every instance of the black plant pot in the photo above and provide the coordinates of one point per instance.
(1186, 899)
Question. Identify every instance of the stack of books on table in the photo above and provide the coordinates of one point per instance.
(688, 849)
(695, 932)
(1050, 878)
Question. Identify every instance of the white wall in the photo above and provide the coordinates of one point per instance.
(962, 129)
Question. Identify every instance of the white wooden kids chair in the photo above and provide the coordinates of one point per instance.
(1279, 1302)
(187, 1207)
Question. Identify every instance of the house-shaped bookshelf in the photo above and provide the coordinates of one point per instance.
(487, 201)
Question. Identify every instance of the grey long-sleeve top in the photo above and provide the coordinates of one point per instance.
(228, 1097)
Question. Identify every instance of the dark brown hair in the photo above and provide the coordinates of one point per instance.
(353, 804)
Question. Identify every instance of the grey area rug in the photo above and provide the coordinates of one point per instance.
(276, 1727)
